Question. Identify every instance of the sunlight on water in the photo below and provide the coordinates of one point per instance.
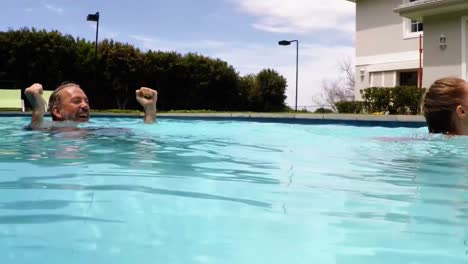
(188, 191)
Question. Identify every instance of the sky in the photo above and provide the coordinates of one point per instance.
(244, 33)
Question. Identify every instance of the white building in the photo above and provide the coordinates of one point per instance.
(387, 41)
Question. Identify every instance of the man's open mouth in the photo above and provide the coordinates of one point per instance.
(83, 116)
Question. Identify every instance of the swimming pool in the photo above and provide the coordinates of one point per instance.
(194, 191)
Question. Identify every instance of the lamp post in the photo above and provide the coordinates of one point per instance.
(95, 18)
(287, 43)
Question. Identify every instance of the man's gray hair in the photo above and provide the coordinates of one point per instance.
(54, 99)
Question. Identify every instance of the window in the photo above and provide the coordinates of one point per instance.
(416, 26)
(409, 78)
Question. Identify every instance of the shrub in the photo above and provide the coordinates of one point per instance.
(349, 106)
(376, 99)
(395, 100)
(406, 99)
(323, 110)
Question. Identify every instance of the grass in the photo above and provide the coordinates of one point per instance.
(199, 111)
(193, 111)
(202, 111)
(10, 110)
(117, 111)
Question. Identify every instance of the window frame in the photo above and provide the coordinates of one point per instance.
(408, 23)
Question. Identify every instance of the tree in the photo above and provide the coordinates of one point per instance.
(273, 88)
(247, 92)
(36, 56)
(190, 81)
(122, 69)
(210, 83)
(339, 89)
(346, 67)
(164, 71)
(265, 91)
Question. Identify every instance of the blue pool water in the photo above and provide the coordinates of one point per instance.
(191, 191)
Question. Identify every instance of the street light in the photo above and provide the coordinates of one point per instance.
(95, 18)
(287, 43)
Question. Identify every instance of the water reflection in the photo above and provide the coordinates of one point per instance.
(341, 199)
(416, 197)
(168, 157)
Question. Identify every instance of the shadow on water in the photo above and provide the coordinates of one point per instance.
(49, 218)
(31, 247)
(41, 204)
(25, 185)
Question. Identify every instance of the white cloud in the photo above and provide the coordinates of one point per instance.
(182, 47)
(316, 62)
(54, 9)
(299, 16)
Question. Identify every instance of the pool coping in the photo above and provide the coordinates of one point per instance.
(301, 118)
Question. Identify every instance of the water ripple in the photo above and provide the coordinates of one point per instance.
(49, 218)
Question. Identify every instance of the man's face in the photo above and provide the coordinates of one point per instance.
(74, 105)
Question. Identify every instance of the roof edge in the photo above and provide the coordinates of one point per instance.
(425, 4)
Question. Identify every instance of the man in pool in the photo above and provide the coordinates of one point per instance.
(69, 103)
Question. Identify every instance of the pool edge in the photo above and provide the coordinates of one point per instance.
(300, 118)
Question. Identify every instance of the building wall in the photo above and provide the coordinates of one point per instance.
(361, 82)
(381, 44)
(379, 30)
(383, 49)
(442, 62)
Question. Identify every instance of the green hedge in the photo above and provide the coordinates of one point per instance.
(353, 107)
(184, 81)
(323, 110)
(394, 100)
(406, 100)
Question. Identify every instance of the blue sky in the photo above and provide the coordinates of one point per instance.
(242, 32)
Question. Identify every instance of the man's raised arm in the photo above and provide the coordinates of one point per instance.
(34, 95)
(148, 97)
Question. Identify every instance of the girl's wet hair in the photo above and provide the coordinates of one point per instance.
(440, 102)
